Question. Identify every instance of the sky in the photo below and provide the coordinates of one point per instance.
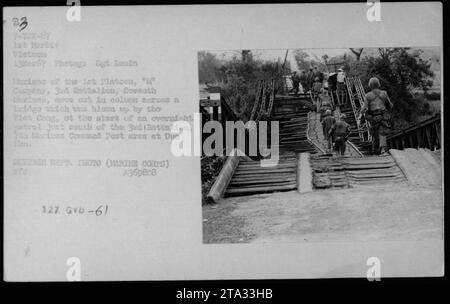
(275, 55)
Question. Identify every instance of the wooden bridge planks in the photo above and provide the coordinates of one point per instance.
(330, 172)
(250, 178)
(263, 189)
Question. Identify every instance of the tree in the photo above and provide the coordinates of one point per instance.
(246, 55)
(304, 62)
(357, 53)
(241, 77)
(401, 72)
(301, 58)
(208, 67)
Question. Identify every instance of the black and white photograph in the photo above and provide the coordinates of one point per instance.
(223, 142)
(359, 145)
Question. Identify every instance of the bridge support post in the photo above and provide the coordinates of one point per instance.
(304, 173)
(223, 179)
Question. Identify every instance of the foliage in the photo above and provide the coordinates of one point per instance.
(304, 62)
(208, 67)
(432, 95)
(210, 168)
(239, 78)
(357, 53)
(401, 72)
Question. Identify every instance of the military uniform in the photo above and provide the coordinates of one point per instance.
(318, 74)
(304, 82)
(375, 107)
(340, 132)
(310, 78)
(317, 87)
(341, 87)
(327, 123)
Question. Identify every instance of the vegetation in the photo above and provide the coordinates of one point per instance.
(403, 73)
(210, 168)
(238, 78)
(304, 62)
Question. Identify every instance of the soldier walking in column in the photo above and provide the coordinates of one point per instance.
(310, 77)
(304, 81)
(317, 74)
(340, 132)
(316, 90)
(376, 109)
(340, 86)
(295, 82)
(327, 123)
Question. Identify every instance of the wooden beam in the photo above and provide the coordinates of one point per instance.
(255, 190)
(223, 179)
(209, 103)
(438, 134)
(428, 136)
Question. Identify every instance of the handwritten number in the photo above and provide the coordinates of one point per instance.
(23, 24)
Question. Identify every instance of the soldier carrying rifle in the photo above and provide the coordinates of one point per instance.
(375, 108)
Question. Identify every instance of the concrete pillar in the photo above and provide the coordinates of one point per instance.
(304, 173)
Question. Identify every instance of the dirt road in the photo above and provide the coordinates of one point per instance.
(377, 213)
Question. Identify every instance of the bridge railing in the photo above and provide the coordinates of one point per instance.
(356, 95)
(262, 109)
(426, 134)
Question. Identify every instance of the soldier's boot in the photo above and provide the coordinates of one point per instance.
(343, 146)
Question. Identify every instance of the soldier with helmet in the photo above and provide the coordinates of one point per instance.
(327, 122)
(295, 82)
(340, 91)
(376, 109)
(340, 132)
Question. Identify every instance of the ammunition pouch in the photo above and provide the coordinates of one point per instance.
(379, 117)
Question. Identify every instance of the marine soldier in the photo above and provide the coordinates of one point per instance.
(375, 108)
(340, 132)
(304, 81)
(327, 123)
(295, 82)
(316, 90)
(310, 77)
(340, 91)
(317, 74)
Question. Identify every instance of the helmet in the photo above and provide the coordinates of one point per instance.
(343, 116)
(328, 112)
(316, 79)
(374, 83)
